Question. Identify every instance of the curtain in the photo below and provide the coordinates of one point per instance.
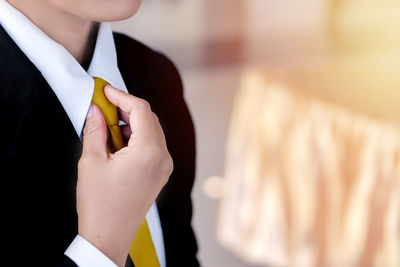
(308, 183)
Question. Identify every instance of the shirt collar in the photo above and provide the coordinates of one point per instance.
(70, 82)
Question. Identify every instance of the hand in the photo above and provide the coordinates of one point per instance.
(115, 191)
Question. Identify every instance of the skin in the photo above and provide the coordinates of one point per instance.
(69, 22)
(118, 189)
(114, 191)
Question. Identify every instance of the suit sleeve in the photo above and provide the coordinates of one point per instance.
(174, 202)
(67, 262)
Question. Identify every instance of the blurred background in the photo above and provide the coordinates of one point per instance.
(342, 52)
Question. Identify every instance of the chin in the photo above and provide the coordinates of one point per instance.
(104, 10)
(120, 10)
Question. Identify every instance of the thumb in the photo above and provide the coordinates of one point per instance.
(95, 132)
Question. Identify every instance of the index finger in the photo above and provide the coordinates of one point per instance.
(137, 109)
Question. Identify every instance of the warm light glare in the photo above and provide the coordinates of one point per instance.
(213, 187)
(308, 183)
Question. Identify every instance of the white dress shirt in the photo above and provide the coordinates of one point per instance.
(74, 88)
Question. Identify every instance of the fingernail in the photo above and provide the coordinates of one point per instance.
(90, 112)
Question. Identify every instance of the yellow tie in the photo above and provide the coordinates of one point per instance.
(142, 251)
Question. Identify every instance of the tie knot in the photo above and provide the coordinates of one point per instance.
(109, 111)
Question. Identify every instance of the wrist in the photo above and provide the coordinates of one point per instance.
(84, 253)
(110, 245)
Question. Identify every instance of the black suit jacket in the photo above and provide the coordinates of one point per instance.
(40, 149)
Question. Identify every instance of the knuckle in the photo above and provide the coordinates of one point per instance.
(169, 166)
(143, 104)
(156, 154)
(151, 155)
(84, 161)
(156, 117)
(91, 128)
(126, 99)
(164, 180)
(167, 169)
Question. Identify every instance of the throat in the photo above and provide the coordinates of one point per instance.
(91, 44)
(76, 34)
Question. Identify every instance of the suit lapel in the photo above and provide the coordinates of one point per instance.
(45, 142)
(43, 130)
(42, 149)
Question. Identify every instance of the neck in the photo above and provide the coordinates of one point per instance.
(67, 29)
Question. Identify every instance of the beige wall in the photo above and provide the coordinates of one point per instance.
(167, 23)
(284, 17)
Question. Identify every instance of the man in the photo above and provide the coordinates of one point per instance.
(52, 55)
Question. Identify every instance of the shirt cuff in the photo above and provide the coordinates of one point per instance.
(84, 254)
